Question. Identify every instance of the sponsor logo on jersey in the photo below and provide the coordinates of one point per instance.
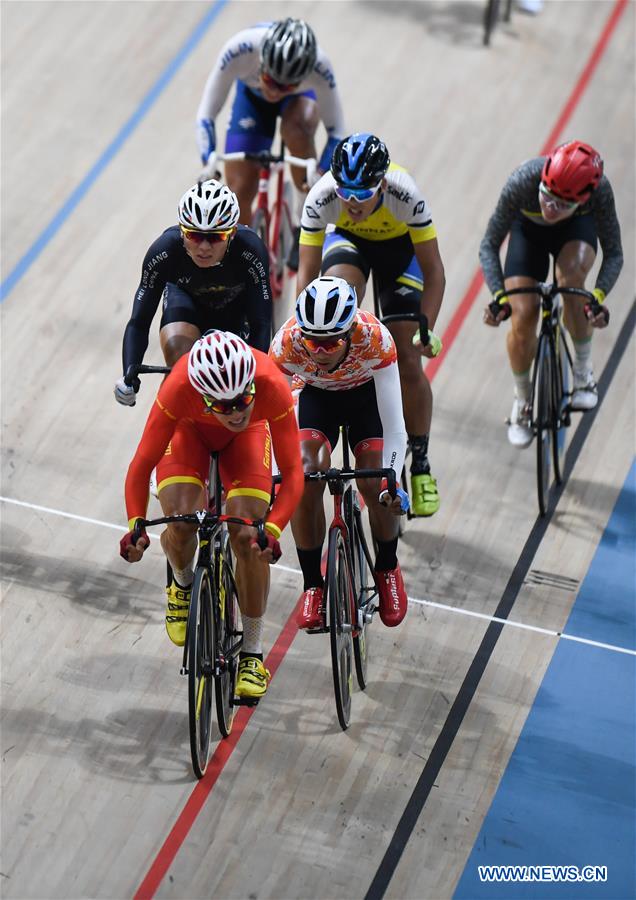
(326, 74)
(235, 52)
(311, 212)
(246, 123)
(419, 208)
(323, 201)
(402, 196)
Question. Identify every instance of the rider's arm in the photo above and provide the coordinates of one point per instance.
(286, 446)
(309, 260)
(323, 81)
(430, 262)
(159, 429)
(609, 235)
(147, 296)
(258, 305)
(389, 399)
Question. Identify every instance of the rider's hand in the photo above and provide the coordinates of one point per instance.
(130, 551)
(498, 310)
(126, 393)
(312, 173)
(211, 169)
(433, 346)
(399, 505)
(270, 554)
(598, 315)
(206, 139)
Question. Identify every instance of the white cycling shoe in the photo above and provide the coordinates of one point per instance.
(584, 392)
(519, 427)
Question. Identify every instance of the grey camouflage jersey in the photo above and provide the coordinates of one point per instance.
(520, 195)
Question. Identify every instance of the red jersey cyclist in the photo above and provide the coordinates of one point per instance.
(344, 360)
(554, 206)
(222, 396)
(383, 223)
(280, 71)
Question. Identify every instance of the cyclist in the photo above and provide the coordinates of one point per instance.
(208, 272)
(221, 396)
(553, 206)
(344, 360)
(382, 223)
(279, 70)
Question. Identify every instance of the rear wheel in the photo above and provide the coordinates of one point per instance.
(200, 670)
(227, 636)
(544, 422)
(340, 627)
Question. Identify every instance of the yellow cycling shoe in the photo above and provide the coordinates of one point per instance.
(252, 678)
(424, 495)
(177, 613)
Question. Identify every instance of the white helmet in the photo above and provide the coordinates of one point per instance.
(326, 307)
(209, 206)
(221, 365)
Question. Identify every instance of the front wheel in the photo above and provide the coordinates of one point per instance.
(339, 598)
(544, 424)
(228, 636)
(200, 670)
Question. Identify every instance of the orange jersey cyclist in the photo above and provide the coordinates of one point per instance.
(382, 223)
(222, 396)
(554, 206)
(346, 364)
(207, 272)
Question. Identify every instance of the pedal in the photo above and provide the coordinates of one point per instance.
(245, 701)
(323, 630)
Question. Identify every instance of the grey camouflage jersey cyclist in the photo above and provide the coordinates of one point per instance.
(556, 206)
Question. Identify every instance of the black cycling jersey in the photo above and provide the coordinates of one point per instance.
(234, 296)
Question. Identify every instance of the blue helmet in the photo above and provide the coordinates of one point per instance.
(360, 161)
(327, 307)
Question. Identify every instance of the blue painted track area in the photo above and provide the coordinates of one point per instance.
(568, 796)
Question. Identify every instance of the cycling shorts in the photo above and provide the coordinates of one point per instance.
(531, 245)
(321, 413)
(253, 120)
(204, 313)
(393, 263)
(245, 460)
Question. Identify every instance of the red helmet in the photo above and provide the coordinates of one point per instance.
(572, 171)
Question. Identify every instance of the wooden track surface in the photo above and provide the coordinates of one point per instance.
(95, 756)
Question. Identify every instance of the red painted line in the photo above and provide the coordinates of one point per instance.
(225, 748)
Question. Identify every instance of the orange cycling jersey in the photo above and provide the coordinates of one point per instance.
(371, 348)
(178, 402)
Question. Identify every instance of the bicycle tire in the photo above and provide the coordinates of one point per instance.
(361, 569)
(491, 14)
(227, 635)
(200, 639)
(561, 403)
(338, 583)
(543, 421)
(406, 487)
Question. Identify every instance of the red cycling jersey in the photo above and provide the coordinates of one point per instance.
(177, 402)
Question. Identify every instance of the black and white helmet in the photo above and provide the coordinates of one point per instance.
(209, 206)
(327, 307)
(289, 50)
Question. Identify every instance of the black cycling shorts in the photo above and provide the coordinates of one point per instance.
(179, 306)
(325, 411)
(532, 245)
(393, 263)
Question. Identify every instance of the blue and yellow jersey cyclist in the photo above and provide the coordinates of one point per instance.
(380, 221)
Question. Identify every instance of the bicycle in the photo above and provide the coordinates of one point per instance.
(550, 395)
(213, 637)
(272, 221)
(491, 16)
(350, 599)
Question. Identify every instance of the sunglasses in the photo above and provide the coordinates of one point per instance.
(326, 345)
(212, 237)
(276, 85)
(553, 200)
(359, 194)
(238, 404)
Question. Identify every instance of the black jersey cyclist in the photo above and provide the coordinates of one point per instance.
(553, 206)
(208, 272)
(382, 223)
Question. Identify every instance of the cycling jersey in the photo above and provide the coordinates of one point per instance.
(177, 403)
(520, 197)
(401, 209)
(233, 296)
(239, 60)
(371, 356)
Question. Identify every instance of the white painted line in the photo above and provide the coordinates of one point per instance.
(431, 603)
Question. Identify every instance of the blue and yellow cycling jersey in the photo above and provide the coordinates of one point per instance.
(401, 209)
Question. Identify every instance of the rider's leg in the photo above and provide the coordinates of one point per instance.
(299, 121)
(342, 259)
(521, 343)
(241, 176)
(176, 339)
(572, 267)
(180, 323)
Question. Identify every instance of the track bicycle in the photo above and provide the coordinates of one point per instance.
(551, 395)
(491, 16)
(213, 630)
(350, 591)
(272, 219)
